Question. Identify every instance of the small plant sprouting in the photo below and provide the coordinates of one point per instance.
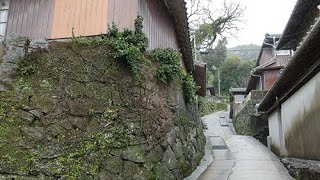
(129, 46)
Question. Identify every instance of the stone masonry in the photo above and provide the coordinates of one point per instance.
(246, 120)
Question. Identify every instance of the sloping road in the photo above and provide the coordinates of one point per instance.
(232, 157)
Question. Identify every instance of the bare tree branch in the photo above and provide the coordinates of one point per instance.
(208, 26)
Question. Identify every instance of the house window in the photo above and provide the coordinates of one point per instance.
(239, 98)
(283, 52)
(4, 11)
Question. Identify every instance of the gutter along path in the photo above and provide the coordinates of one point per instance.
(233, 157)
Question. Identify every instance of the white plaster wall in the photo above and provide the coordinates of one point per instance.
(274, 132)
(300, 117)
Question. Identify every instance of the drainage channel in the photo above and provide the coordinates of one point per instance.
(217, 143)
(223, 161)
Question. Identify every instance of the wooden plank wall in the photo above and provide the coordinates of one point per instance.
(158, 24)
(87, 17)
(32, 18)
(123, 13)
(200, 77)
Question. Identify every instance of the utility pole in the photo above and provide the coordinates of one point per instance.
(195, 47)
(219, 81)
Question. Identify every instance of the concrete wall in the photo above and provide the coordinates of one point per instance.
(299, 122)
(274, 132)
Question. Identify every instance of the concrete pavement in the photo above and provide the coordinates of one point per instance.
(232, 157)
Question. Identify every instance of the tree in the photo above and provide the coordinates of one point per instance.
(243, 75)
(217, 55)
(235, 73)
(228, 70)
(207, 26)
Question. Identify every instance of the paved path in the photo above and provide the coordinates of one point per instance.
(233, 157)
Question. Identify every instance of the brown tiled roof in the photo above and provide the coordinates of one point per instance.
(237, 90)
(178, 11)
(301, 68)
(299, 23)
(253, 79)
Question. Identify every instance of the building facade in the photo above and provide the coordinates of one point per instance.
(269, 63)
(292, 104)
(237, 96)
(165, 22)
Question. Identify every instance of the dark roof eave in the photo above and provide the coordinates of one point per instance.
(252, 84)
(177, 9)
(296, 27)
(297, 68)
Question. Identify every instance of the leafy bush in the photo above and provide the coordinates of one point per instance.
(170, 69)
(170, 66)
(189, 88)
(128, 46)
(206, 107)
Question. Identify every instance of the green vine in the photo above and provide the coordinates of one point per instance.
(170, 69)
(129, 46)
(170, 66)
(189, 88)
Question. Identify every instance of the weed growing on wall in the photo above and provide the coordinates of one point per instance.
(170, 66)
(76, 41)
(189, 88)
(170, 69)
(128, 46)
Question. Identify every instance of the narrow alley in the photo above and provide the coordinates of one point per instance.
(233, 157)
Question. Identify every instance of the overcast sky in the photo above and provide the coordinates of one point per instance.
(263, 17)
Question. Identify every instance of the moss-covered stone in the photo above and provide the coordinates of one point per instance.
(113, 164)
(77, 113)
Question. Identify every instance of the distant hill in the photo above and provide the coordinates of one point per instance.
(245, 52)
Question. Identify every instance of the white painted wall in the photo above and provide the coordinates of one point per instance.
(274, 131)
(300, 116)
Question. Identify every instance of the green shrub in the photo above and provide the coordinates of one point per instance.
(170, 69)
(189, 88)
(170, 66)
(128, 46)
(206, 107)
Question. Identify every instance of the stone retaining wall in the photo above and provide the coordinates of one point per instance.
(246, 121)
(69, 111)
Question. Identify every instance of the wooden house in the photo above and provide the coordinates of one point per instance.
(165, 21)
(237, 96)
(269, 63)
(292, 104)
(199, 75)
(268, 68)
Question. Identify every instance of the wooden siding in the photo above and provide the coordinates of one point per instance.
(269, 78)
(158, 25)
(123, 13)
(32, 18)
(200, 78)
(87, 17)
